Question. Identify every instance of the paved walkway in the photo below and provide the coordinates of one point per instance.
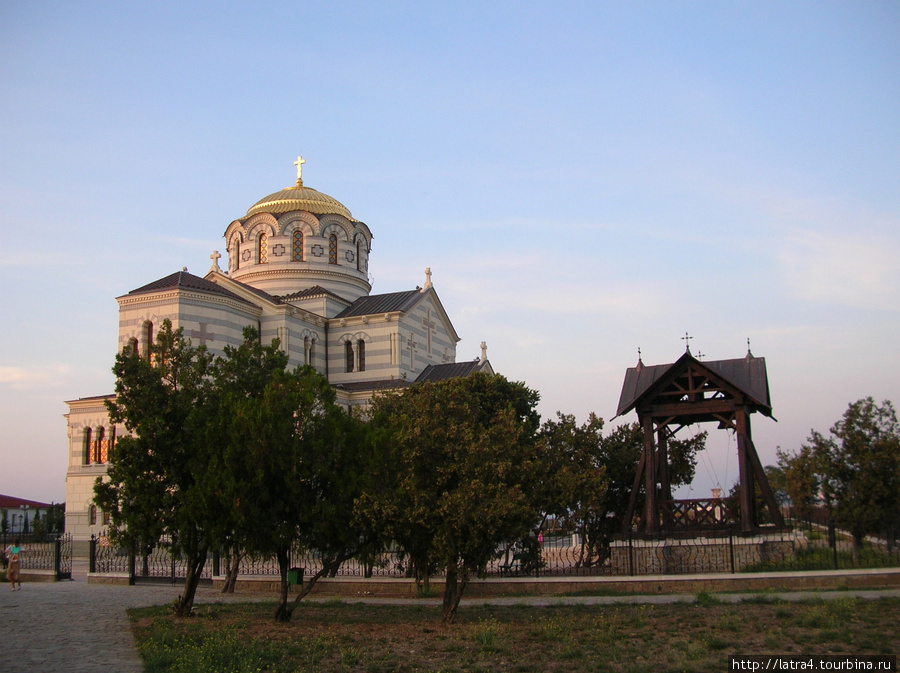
(75, 627)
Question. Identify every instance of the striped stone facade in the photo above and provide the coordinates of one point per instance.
(298, 271)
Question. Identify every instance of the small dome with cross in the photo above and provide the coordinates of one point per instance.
(298, 197)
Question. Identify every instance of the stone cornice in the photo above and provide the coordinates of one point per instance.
(170, 295)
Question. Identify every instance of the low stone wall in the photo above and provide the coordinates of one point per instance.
(675, 556)
(561, 586)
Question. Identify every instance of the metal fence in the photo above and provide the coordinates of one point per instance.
(805, 547)
(42, 552)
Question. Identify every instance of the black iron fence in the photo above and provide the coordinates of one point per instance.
(42, 552)
(813, 547)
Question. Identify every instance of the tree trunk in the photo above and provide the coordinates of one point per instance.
(231, 572)
(857, 542)
(185, 602)
(454, 586)
(282, 610)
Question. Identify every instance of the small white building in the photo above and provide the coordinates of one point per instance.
(297, 270)
(17, 515)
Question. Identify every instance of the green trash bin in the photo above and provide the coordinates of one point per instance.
(295, 576)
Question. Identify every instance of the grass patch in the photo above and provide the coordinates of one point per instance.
(330, 637)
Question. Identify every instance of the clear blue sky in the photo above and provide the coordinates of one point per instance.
(583, 179)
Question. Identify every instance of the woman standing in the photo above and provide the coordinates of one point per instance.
(12, 572)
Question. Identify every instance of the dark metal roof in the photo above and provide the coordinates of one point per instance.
(382, 303)
(451, 370)
(308, 293)
(365, 386)
(186, 281)
(747, 374)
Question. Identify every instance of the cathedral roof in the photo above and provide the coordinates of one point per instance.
(452, 370)
(186, 281)
(381, 303)
(314, 291)
(299, 197)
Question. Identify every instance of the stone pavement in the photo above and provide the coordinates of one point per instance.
(75, 627)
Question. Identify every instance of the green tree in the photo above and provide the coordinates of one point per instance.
(801, 482)
(859, 468)
(459, 470)
(154, 482)
(289, 465)
(240, 380)
(590, 477)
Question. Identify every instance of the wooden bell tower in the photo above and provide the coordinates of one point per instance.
(670, 397)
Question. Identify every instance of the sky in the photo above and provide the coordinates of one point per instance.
(583, 178)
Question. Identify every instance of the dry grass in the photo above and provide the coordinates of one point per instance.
(356, 637)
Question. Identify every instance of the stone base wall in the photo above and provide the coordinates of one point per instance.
(663, 557)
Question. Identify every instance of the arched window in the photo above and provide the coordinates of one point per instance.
(234, 259)
(332, 249)
(146, 339)
(263, 255)
(348, 355)
(100, 446)
(358, 257)
(297, 246)
(86, 447)
(92, 515)
(132, 345)
(361, 354)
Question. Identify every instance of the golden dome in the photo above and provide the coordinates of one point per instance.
(299, 197)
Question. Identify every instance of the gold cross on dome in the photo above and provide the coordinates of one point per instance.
(299, 164)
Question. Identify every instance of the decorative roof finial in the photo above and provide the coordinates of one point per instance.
(215, 258)
(749, 355)
(299, 164)
(427, 277)
(640, 363)
(483, 353)
(687, 342)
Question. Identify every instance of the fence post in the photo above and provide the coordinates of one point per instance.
(731, 549)
(630, 556)
(832, 541)
(57, 556)
(92, 563)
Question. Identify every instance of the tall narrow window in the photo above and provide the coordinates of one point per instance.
(100, 446)
(263, 248)
(358, 257)
(132, 345)
(306, 350)
(348, 355)
(92, 515)
(86, 447)
(332, 249)
(146, 339)
(234, 259)
(361, 354)
(297, 246)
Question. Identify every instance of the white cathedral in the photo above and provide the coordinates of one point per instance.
(298, 271)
